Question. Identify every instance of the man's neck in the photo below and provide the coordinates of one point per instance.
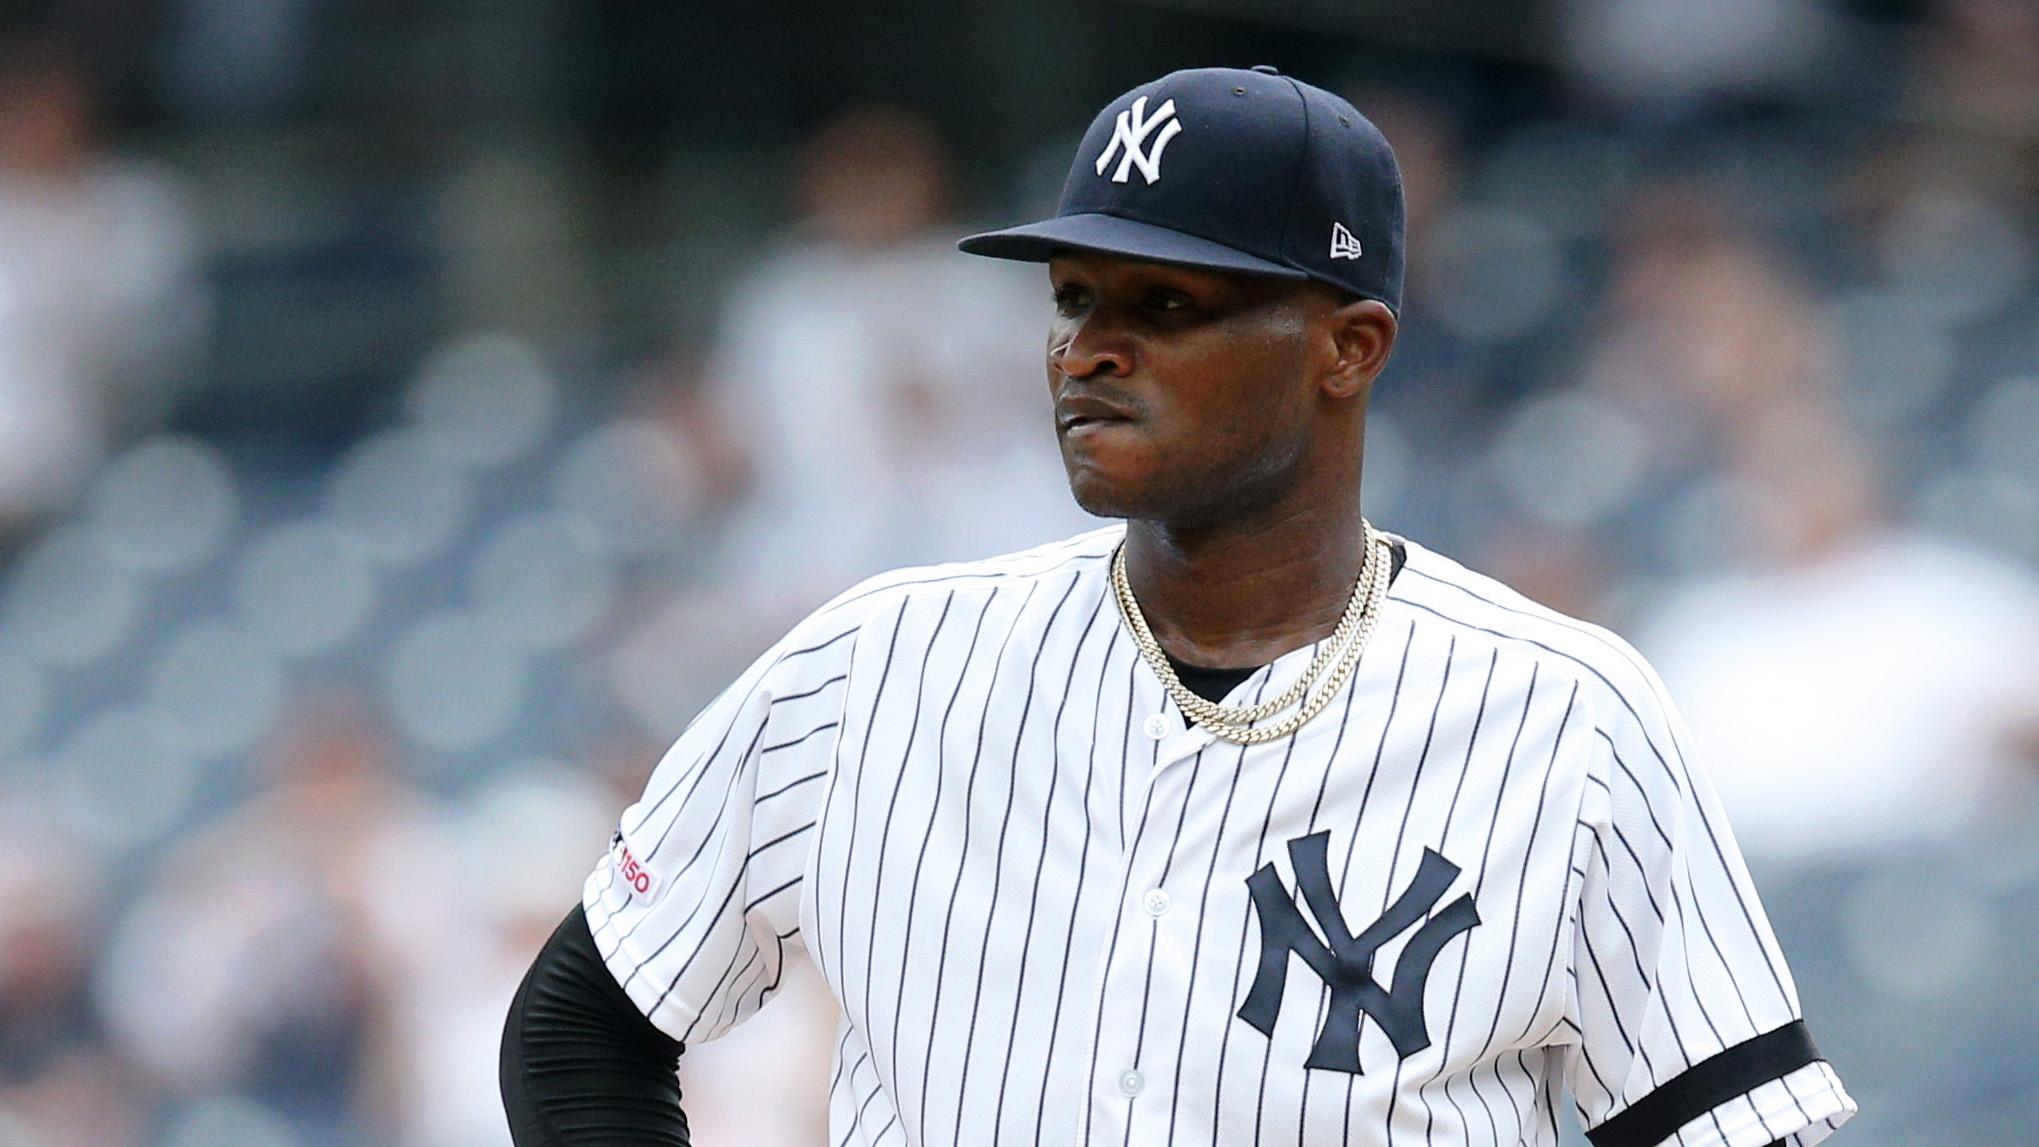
(1244, 595)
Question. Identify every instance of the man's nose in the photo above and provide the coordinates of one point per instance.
(1089, 346)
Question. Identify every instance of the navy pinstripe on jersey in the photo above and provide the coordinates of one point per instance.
(961, 792)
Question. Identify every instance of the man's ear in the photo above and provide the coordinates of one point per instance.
(1362, 337)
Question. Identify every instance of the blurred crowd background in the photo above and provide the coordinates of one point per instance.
(410, 413)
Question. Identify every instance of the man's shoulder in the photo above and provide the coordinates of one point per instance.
(1621, 685)
(886, 593)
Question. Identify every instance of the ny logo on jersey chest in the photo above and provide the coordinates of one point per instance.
(1345, 961)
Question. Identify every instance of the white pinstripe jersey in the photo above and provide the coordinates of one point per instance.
(961, 792)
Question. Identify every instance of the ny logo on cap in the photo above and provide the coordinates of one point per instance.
(1132, 130)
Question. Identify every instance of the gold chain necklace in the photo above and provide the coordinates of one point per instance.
(1340, 651)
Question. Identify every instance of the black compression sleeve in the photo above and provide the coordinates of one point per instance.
(581, 1066)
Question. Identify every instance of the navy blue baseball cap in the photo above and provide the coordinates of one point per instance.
(1230, 169)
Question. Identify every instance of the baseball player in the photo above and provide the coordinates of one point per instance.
(1243, 822)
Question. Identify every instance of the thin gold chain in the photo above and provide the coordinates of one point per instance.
(1340, 652)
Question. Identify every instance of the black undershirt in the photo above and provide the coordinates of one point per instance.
(580, 1065)
(1213, 685)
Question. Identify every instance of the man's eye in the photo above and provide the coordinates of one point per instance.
(1068, 299)
(1167, 301)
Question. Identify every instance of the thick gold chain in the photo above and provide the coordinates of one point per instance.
(1340, 652)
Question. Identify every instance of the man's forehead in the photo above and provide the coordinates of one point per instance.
(1103, 264)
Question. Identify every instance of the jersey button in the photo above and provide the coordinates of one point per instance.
(1130, 1084)
(1155, 902)
(1156, 726)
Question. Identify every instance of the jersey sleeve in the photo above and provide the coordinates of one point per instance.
(696, 905)
(1684, 1020)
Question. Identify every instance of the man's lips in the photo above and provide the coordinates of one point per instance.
(1076, 410)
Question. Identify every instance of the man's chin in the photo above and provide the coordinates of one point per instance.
(1104, 499)
(1161, 503)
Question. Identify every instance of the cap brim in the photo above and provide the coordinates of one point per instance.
(1111, 235)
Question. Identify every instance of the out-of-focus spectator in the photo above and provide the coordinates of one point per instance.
(460, 911)
(1852, 683)
(84, 1095)
(1978, 69)
(1857, 686)
(1667, 56)
(58, 1081)
(1704, 324)
(45, 946)
(98, 294)
(888, 393)
(339, 953)
(251, 964)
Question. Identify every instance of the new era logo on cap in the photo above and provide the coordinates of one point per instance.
(1344, 244)
(1132, 130)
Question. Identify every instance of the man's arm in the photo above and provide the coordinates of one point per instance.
(686, 922)
(1688, 1013)
(581, 1066)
